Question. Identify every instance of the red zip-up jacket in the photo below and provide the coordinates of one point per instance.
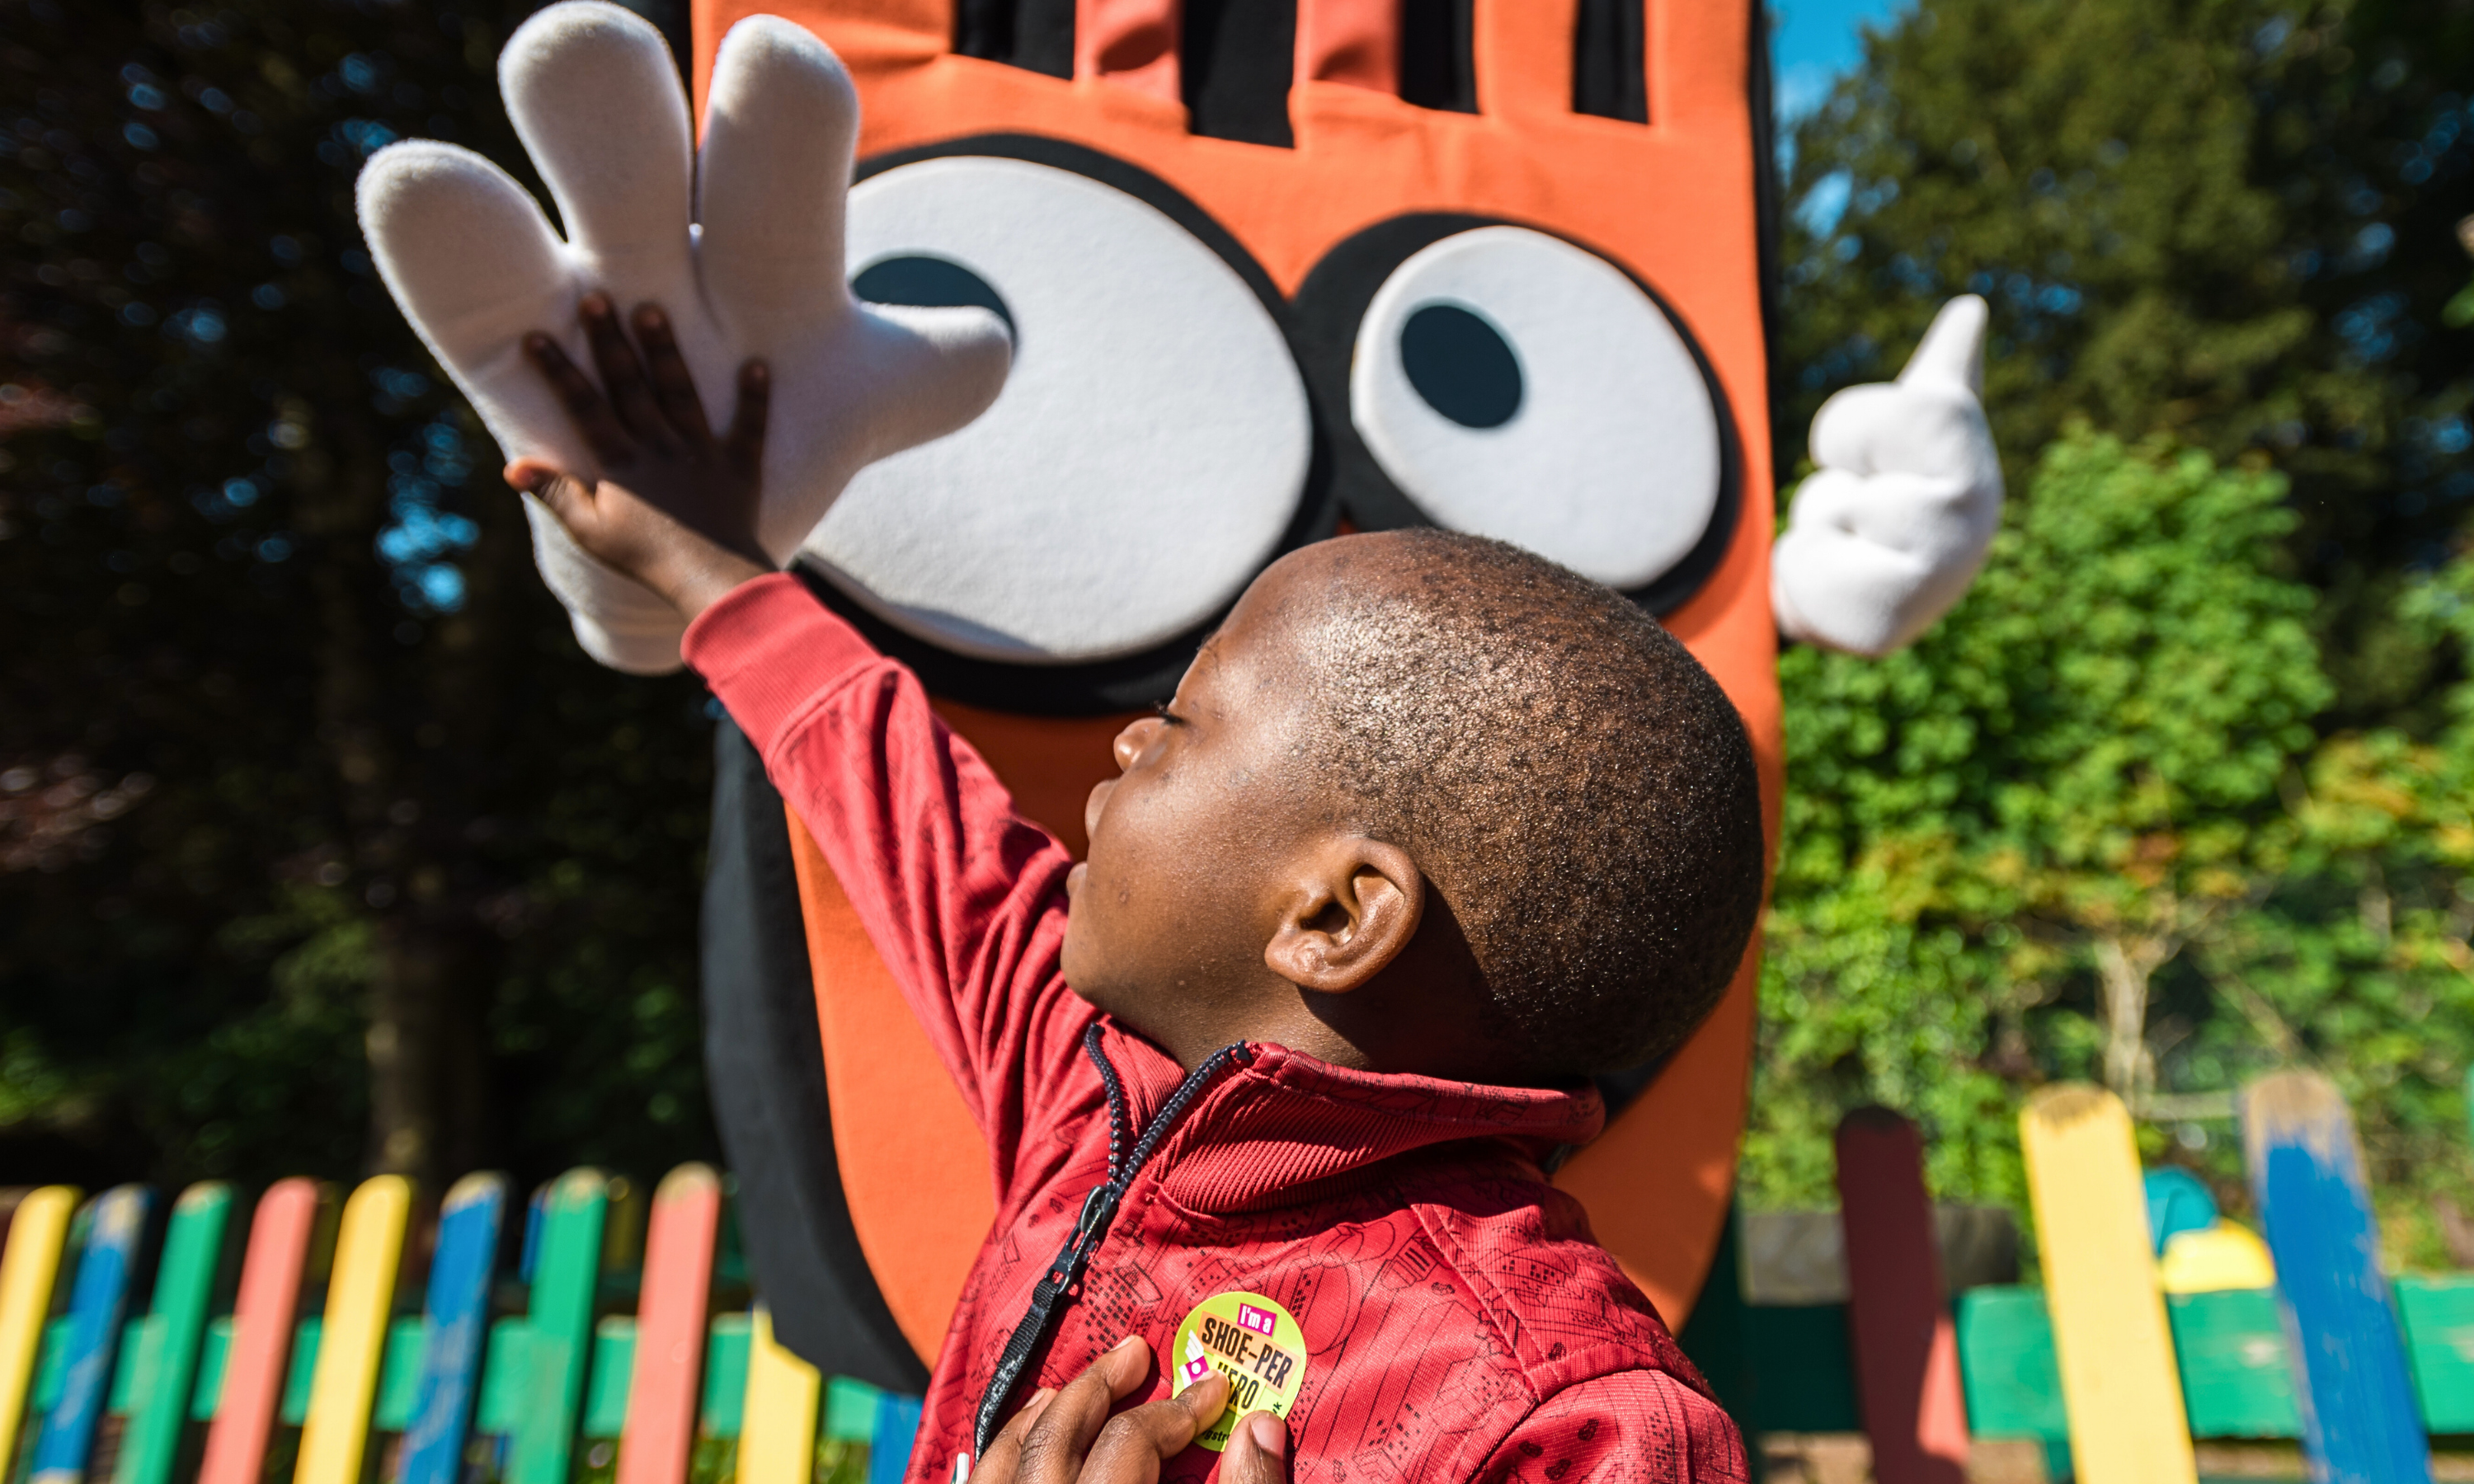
(1459, 1321)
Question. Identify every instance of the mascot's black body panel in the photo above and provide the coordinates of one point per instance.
(767, 1069)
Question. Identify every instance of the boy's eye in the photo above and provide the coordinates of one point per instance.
(1159, 708)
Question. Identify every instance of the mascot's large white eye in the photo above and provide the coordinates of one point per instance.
(1148, 453)
(1512, 384)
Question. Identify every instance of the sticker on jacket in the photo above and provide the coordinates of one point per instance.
(1249, 1339)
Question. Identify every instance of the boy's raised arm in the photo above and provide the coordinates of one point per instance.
(962, 898)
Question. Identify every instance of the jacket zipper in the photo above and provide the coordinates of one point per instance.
(1091, 1228)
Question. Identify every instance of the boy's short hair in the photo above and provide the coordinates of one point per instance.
(1577, 789)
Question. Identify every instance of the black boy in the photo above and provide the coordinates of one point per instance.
(1433, 830)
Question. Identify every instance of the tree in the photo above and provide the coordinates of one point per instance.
(2231, 222)
(2087, 828)
(321, 846)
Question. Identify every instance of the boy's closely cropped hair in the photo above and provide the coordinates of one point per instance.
(1432, 831)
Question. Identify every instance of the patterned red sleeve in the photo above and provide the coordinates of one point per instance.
(1631, 1428)
(963, 898)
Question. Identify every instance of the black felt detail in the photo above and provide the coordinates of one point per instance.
(931, 283)
(1136, 680)
(1461, 364)
(1439, 55)
(1323, 328)
(1033, 34)
(1235, 60)
(1620, 1088)
(766, 1061)
(1609, 61)
(1765, 184)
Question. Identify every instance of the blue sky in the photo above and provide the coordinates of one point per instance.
(1812, 41)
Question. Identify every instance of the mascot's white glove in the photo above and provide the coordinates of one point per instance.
(1891, 529)
(595, 99)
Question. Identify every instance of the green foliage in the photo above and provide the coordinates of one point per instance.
(2089, 739)
(2085, 830)
(321, 845)
(2180, 792)
(2228, 221)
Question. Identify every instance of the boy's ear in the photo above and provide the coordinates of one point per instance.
(1353, 910)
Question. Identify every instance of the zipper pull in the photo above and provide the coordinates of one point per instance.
(1097, 1208)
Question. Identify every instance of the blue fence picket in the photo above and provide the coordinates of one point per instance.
(2359, 1423)
(97, 1305)
(458, 1314)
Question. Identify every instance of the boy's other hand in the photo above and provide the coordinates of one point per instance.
(676, 507)
(1067, 1436)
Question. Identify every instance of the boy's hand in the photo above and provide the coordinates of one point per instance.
(1067, 1436)
(676, 510)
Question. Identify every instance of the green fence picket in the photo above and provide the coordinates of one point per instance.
(725, 1376)
(175, 1330)
(2437, 1314)
(2237, 1378)
(566, 1276)
(614, 1370)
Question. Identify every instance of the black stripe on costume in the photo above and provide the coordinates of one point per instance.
(1036, 35)
(1439, 55)
(1609, 61)
(1236, 59)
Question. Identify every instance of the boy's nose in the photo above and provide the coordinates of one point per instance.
(1131, 741)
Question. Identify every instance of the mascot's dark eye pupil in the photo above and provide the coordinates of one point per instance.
(931, 283)
(1462, 366)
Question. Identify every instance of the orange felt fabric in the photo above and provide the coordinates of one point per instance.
(1672, 200)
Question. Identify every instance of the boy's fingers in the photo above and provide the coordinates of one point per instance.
(1133, 1445)
(586, 407)
(1052, 1449)
(1002, 1463)
(673, 384)
(623, 374)
(746, 445)
(568, 497)
(1257, 1452)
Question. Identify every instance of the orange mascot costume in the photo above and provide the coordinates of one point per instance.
(1261, 270)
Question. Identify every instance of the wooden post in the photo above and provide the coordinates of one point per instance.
(97, 1303)
(897, 1433)
(2116, 1353)
(272, 1267)
(669, 1327)
(184, 1285)
(567, 1272)
(29, 1268)
(1906, 1349)
(458, 1309)
(360, 1298)
(2359, 1423)
(777, 1438)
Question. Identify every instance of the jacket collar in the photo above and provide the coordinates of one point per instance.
(1280, 1127)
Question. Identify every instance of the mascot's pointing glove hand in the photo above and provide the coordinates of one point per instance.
(1888, 534)
(597, 100)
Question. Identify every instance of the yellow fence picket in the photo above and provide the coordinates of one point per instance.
(352, 1340)
(2116, 1353)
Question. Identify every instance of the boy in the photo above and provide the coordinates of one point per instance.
(1432, 830)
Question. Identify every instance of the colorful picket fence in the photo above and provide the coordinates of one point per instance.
(301, 1347)
(340, 1343)
(2158, 1324)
